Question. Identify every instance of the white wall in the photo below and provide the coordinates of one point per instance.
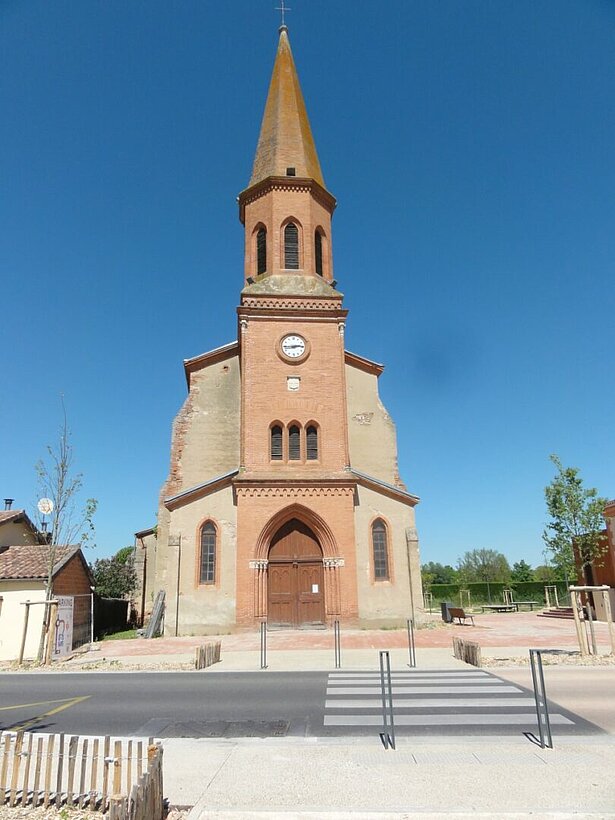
(13, 593)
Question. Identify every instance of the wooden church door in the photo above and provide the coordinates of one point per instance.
(295, 577)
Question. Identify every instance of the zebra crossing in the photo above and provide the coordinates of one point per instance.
(436, 702)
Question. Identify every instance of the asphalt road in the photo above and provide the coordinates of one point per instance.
(269, 704)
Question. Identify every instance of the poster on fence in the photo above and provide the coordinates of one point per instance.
(63, 643)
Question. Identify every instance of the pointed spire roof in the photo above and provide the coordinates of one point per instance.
(285, 139)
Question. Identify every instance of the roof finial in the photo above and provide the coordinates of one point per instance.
(283, 9)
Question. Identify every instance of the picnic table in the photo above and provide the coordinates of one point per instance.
(513, 606)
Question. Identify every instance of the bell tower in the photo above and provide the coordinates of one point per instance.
(286, 209)
(294, 458)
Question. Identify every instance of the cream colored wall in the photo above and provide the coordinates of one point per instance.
(371, 431)
(386, 602)
(205, 445)
(13, 593)
(211, 433)
(13, 534)
(203, 608)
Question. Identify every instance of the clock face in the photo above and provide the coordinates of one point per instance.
(293, 346)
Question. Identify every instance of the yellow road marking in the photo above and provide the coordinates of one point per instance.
(65, 704)
(38, 703)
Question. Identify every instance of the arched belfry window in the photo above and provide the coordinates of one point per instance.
(318, 252)
(380, 549)
(207, 573)
(261, 251)
(291, 247)
(276, 443)
(294, 443)
(311, 442)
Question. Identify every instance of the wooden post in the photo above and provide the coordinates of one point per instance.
(581, 636)
(37, 772)
(72, 759)
(25, 632)
(51, 632)
(48, 766)
(5, 763)
(609, 617)
(117, 768)
(60, 772)
(106, 753)
(84, 763)
(16, 765)
(25, 787)
(93, 776)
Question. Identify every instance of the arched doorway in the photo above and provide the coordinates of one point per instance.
(295, 577)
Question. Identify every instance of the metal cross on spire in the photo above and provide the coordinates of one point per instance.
(283, 9)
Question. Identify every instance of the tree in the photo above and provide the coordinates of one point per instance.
(521, 571)
(115, 577)
(483, 565)
(545, 573)
(68, 524)
(436, 573)
(576, 520)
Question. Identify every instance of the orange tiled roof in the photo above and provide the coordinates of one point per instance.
(286, 139)
(26, 561)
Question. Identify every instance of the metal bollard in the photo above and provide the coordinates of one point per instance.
(388, 725)
(411, 646)
(263, 644)
(338, 645)
(540, 696)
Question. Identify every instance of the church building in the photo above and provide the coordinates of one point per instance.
(283, 501)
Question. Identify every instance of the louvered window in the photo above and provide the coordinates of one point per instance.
(291, 246)
(208, 553)
(311, 440)
(276, 443)
(294, 443)
(318, 252)
(381, 552)
(261, 251)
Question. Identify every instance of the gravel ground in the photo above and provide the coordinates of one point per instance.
(7, 813)
(567, 659)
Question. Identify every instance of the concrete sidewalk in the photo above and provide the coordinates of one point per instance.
(290, 777)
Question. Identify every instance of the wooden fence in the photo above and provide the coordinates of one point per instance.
(468, 651)
(123, 777)
(207, 654)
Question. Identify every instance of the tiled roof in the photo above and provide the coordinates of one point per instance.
(286, 137)
(10, 515)
(26, 561)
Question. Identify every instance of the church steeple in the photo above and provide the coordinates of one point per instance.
(286, 209)
(285, 139)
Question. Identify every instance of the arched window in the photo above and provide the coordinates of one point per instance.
(318, 252)
(261, 251)
(291, 247)
(311, 441)
(208, 553)
(294, 443)
(276, 443)
(380, 550)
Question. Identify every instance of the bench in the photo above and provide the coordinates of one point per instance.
(457, 612)
(500, 607)
(531, 604)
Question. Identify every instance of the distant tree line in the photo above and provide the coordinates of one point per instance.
(486, 565)
(576, 526)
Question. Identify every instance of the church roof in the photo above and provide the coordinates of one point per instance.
(285, 139)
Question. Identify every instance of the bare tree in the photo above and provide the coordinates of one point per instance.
(69, 525)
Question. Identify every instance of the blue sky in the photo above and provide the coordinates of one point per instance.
(470, 146)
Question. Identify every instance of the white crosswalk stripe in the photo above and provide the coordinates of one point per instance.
(432, 698)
